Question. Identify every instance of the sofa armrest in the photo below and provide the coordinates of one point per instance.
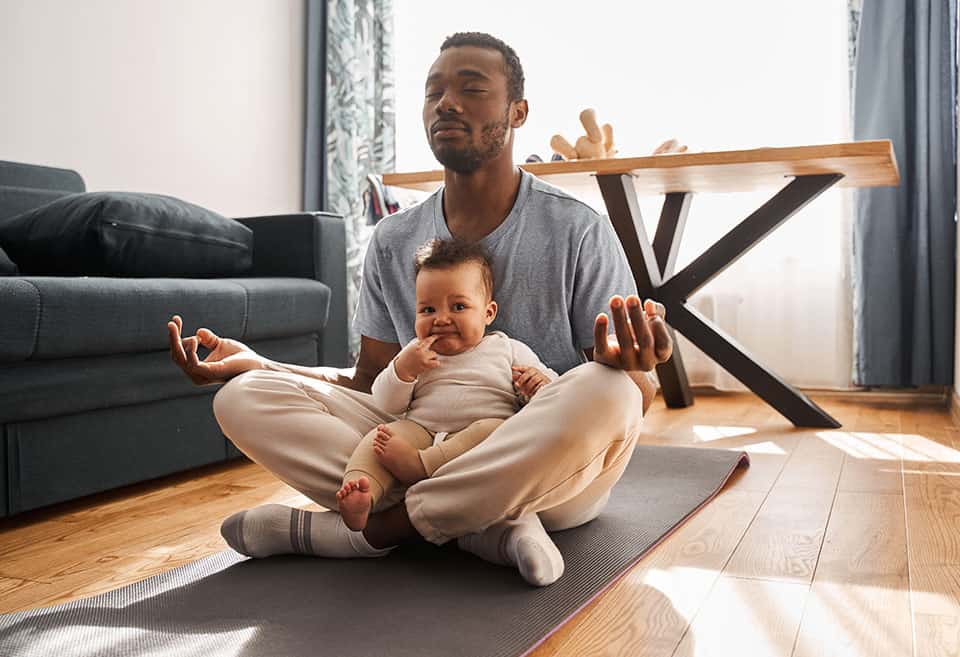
(308, 245)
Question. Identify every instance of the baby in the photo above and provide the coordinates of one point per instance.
(453, 384)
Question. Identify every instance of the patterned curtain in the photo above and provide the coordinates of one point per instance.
(360, 120)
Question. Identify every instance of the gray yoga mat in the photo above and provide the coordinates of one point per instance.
(420, 601)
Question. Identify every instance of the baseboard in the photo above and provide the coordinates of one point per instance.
(927, 395)
(955, 408)
(939, 396)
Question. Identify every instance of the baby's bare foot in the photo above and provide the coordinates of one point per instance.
(399, 457)
(354, 502)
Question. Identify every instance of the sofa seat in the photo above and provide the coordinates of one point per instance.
(52, 388)
(45, 318)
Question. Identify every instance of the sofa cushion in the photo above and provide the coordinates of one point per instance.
(35, 176)
(39, 389)
(63, 317)
(126, 234)
(17, 200)
(7, 266)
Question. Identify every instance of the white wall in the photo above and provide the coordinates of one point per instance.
(199, 99)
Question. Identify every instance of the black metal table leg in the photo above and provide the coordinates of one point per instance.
(790, 402)
(674, 385)
(653, 264)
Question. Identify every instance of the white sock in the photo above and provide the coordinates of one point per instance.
(276, 529)
(523, 543)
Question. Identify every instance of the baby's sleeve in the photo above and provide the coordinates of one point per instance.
(524, 356)
(391, 393)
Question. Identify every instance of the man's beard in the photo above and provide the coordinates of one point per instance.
(467, 159)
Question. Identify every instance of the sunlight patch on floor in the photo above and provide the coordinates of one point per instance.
(706, 433)
(859, 445)
(842, 618)
(920, 448)
(766, 447)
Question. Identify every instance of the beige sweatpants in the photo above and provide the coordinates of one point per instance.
(559, 456)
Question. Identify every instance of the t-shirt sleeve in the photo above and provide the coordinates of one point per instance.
(372, 318)
(602, 271)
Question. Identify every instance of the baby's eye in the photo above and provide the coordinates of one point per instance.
(426, 310)
(459, 306)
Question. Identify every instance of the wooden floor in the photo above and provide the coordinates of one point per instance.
(841, 542)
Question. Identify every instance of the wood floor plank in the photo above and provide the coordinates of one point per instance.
(933, 528)
(859, 604)
(784, 540)
(759, 617)
(647, 612)
(843, 619)
(937, 635)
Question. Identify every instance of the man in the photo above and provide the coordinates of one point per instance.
(557, 265)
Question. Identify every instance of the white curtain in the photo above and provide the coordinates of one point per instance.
(730, 75)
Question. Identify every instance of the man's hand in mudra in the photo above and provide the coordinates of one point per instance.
(227, 358)
(640, 340)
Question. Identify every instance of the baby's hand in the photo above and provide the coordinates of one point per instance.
(416, 358)
(528, 380)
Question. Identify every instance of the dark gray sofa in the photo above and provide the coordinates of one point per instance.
(89, 398)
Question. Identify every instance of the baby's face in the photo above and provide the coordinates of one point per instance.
(453, 304)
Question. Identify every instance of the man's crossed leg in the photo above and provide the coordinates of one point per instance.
(551, 466)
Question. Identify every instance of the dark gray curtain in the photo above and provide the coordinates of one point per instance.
(314, 148)
(904, 238)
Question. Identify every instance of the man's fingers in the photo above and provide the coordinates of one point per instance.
(176, 348)
(625, 336)
(662, 343)
(208, 338)
(653, 308)
(190, 347)
(600, 328)
(641, 327)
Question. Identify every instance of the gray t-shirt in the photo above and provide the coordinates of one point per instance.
(556, 263)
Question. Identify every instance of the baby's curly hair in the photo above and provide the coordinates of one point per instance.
(444, 254)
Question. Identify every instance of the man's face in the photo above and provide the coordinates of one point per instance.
(453, 304)
(466, 112)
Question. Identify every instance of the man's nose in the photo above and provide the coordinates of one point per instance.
(448, 103)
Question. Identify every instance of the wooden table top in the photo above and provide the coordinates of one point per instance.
(862, 163)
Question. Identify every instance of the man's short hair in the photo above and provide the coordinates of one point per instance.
(484, 40)
(444, 254)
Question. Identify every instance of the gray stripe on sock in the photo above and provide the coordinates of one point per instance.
(307, 539)
(294, 543)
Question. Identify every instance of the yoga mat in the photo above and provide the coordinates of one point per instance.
(420, 601)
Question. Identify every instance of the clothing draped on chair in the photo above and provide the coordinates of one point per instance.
(355, 49)
(904, 240)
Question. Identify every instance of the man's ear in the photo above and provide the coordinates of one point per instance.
(491, 313)
(518, 113)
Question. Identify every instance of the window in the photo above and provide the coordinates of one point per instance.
(717, 75)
